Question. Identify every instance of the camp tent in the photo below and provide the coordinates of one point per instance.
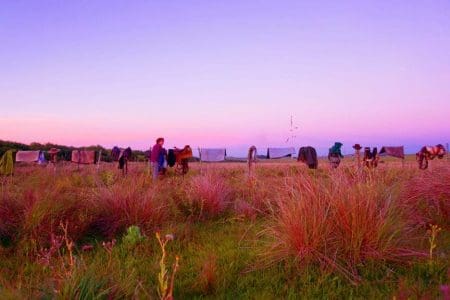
(394, 151)
(280, 152)
(212, 154)
(31, 156)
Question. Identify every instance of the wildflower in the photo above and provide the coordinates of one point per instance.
(87, 247)
(109, 245)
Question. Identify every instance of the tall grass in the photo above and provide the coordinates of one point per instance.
(428, 195)
(33, 208)
(208, 196)
(341, 222)
(338, 223)
(117, 207)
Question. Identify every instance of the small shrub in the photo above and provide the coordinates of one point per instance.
(117, 207)
(133, 236)
(208, 196)
(342, 225)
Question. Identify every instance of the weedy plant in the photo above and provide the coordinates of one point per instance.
(165, 279)
(433, 232)
(108, 246)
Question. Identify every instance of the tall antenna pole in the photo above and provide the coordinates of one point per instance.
(292, 130)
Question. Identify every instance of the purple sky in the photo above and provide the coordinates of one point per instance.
(225, 74)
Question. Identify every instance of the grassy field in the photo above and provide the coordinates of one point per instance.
(286, 233)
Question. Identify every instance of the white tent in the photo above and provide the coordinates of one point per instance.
(31, 156)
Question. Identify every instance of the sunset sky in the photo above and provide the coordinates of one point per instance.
(225, 73)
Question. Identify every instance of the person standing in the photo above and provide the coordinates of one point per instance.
(155, 155)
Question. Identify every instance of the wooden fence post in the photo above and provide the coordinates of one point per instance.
(448, 154)
(99, 159)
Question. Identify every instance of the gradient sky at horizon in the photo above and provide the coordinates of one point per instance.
(225, 74)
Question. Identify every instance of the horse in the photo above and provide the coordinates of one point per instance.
(122, 156)
(370, 159)
(429, 153)
(182, 157)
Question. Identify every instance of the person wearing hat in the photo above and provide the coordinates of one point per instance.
(335, 155)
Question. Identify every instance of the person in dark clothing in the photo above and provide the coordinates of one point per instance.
(154, 157)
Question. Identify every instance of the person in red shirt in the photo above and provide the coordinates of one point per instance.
(154, 157)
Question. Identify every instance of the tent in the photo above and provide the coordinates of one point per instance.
(212, 154)
(280, 152)
(394, 151)
(31, 156)
(83, 156)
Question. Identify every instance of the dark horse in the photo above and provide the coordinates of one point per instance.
(122, 156)
(429, 153)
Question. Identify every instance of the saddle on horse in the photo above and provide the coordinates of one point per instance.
(429, 153)
(182, 157)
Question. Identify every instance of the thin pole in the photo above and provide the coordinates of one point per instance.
(448, 154)
(99, 159)
(200, 157)
(358, 158)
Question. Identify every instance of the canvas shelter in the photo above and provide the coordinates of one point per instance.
(31, 156)
(394, 151)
